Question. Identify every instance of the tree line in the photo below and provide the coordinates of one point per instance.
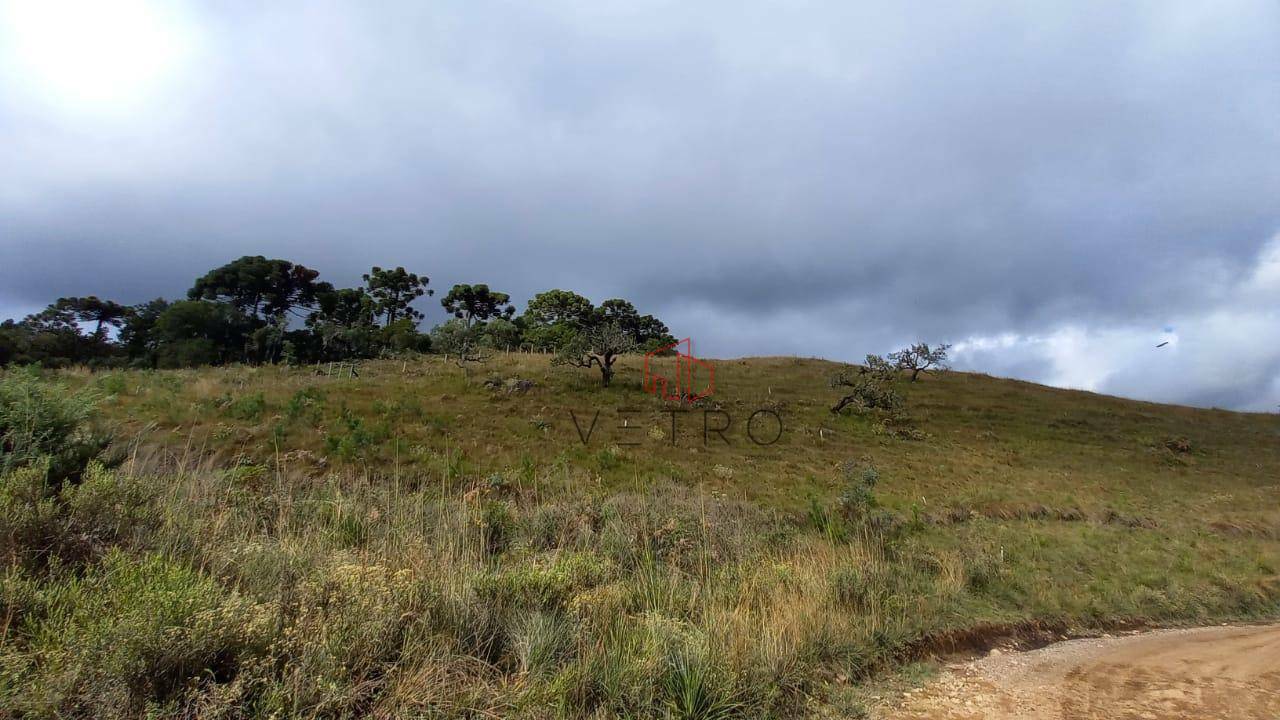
(259, 310)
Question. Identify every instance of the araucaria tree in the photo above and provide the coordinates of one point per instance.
(874, 386)
(51, 337)
(103, 313)
(600, 346)
(473, 307)
(477, 304)
(393, 292)
(921, 358)
(262, 289)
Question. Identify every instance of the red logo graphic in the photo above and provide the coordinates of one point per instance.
(681, 387)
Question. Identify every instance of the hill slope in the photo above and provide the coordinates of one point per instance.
(415, 540)
(984, 442)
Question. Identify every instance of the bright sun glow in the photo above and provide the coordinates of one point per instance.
(91, 55)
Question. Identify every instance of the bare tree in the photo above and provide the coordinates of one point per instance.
(921, 358)
(872, 386)
(598, 346)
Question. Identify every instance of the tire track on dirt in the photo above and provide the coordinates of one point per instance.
(1219, 672)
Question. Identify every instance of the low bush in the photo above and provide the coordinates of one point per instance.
(305, 404)
(247, 407)
(43, 419)
(134, 634)
(75, 523)
(354, 440)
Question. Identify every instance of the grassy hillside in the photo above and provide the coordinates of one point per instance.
(418, 542)
(984, 442)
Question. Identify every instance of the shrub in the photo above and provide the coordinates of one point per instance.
(856, 511)
(131, 633)
(112, 383)
(28, 513)
(43, 419)
(75, 523)
(873, 387)
(608, 459)
(107, 508)
(305, 403)
(347, 626)
(852, 588)
(249, 407)
(353, 440)
(495, 525)
(549, 526)
(858, 499)
(547, 583)
(984, 571)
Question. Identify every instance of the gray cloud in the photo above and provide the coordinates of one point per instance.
(819, 178)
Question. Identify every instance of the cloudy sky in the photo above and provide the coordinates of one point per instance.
(1055, 188)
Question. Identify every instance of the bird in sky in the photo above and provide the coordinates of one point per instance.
(1166, 342)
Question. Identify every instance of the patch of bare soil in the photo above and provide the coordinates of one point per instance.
(1218, 672)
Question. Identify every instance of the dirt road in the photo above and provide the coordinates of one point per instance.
(1218, 672)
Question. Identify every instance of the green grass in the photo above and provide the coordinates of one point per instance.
(413, 544)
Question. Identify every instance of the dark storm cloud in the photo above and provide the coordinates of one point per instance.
(820, 178)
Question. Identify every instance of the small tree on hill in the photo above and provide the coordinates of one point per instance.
(501, 333)
(138, 335)
(15, 343)
(554, 316)
(453, 337)
(873, 386)
(921, 358)
(599, 345)
(344, 324)
(199, 332)
(648, 332)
